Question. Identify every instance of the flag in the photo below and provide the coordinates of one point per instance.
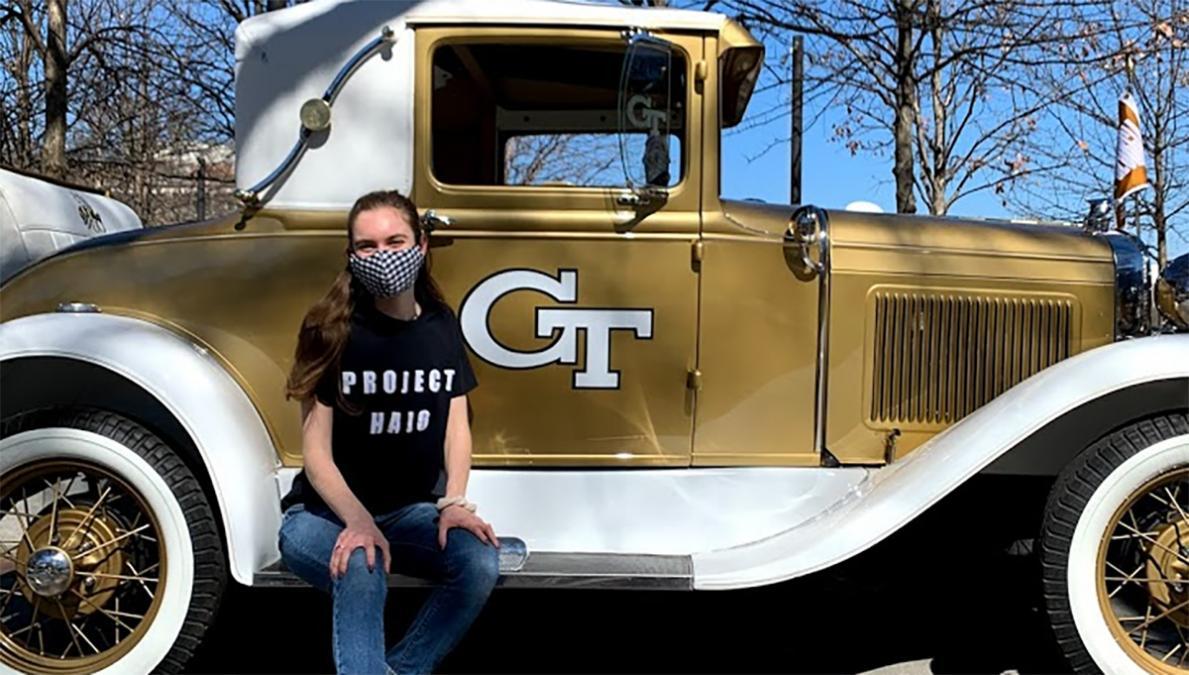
(1131, 172)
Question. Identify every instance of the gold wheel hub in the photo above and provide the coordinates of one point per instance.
(81, 568)
(84, 539)
(1168, 571)
(1143, 574)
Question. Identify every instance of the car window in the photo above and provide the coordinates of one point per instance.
(533, 114)
(581, 159)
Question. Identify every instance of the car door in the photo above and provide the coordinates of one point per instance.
(577, 296)
(758, 348)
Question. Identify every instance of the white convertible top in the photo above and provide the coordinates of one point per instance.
(286, 57)
(505, 12)
(38, 218)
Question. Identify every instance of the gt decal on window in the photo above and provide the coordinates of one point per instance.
(565, 322)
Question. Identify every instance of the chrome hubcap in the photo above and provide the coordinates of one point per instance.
(49, 572)
(81, 568)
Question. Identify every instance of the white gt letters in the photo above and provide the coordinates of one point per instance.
(566, 321)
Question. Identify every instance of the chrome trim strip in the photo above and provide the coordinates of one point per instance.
(77, 307)
(251, 196)
(554, 570)
(822, 371)
(823, 332)
(801, 234)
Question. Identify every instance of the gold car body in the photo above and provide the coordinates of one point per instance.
(930, 317)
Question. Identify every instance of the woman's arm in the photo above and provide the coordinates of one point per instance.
(458, 448)
(458, 470)
(328, 482)
(320, 468)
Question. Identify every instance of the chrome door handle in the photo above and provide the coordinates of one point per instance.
(647, 197)
(432, 220)
(631, 199)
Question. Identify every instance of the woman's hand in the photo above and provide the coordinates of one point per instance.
(457, 516)
(363, 533)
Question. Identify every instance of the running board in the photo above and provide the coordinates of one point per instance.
(548, 569)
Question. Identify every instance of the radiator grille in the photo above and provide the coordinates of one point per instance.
(940, 356)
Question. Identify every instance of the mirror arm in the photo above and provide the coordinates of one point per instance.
(251, 197)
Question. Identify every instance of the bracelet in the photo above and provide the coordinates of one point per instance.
(460, 501)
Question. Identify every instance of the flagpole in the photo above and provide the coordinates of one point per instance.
(1135, 213)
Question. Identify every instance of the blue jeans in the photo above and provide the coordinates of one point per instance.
(464, 574)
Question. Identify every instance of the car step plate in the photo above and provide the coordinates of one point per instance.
(549, 569)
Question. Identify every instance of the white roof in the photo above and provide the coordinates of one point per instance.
(286, 57)
(516, 12)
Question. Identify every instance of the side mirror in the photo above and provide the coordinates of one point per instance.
(645, 113)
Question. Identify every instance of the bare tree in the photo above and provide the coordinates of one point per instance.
(1142, 48)
(942, 84)
(50, 46)
(132, 96)
(572, 159)
(20, 97)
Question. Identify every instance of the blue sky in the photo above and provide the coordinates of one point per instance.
(831, 176)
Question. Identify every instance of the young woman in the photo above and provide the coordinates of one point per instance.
(383, 375)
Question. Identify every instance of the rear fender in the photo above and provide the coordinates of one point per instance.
(189, 390)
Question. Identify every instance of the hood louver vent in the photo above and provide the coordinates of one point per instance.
(938, 355)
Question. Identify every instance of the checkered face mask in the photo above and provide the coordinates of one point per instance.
(387, 272)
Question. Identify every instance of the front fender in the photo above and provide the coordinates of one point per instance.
(203, 398)
(900, 492)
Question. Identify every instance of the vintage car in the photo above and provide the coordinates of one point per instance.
(677, 390)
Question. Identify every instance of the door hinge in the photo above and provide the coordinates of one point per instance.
(700, 71)
(693, 380)
(697, 250)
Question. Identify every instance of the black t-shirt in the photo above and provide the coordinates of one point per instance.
(403, 375)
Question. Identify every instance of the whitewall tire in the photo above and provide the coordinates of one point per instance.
(1115, 551)
(118, 564)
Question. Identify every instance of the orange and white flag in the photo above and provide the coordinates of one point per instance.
(1131, 173)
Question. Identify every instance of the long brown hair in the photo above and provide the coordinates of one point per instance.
(327, 324)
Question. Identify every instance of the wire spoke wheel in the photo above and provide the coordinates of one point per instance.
(111, 558)
(1114, 551)
(81, 566)
(1144, 574)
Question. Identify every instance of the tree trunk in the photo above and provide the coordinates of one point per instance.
(143, 163)
(24, 155)
(1162, 243)
(53, 147)
(939, 202)
(905, 115)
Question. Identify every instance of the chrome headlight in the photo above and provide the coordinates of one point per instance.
(1132, 297)
(1172, 292)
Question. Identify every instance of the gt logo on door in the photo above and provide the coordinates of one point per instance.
(598, 323)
